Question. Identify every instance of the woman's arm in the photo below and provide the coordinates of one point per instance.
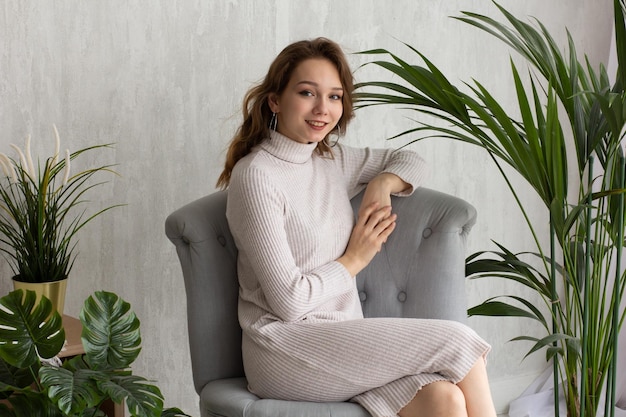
(256, 217)
(364, 166)
(386, 173)
(380, 189)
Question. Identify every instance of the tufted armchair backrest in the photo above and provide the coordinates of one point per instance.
(419, 272)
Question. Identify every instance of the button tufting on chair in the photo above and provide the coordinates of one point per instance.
(402, 296)
(222, 240)
(427, 232)
(362, 296)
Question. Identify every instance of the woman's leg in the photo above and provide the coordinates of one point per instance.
(438, 399)
(475, 387)
(471, 397)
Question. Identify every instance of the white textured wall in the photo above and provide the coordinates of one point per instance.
(164, 80)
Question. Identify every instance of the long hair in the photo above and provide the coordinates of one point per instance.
(256, 110)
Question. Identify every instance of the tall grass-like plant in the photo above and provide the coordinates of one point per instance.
(42, 208)
(581, 279)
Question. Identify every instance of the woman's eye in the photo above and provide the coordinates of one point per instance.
(306, 93)
(336, 97)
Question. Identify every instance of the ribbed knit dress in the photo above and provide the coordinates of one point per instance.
(304, 335)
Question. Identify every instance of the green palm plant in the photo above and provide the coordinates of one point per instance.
(575, 280)
(32, 385)
(40, 211)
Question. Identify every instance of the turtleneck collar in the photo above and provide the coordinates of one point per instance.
(288, 150)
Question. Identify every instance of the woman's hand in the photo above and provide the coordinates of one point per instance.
(372, 229)
(380, 188)
(375, 222)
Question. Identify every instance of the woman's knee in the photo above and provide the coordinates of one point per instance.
(450, 397)
(440, 398)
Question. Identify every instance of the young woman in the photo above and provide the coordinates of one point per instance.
(304, 335)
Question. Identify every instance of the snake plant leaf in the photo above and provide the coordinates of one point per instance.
(142, 398)
(110, 336)
(71, 391)
(30, 331)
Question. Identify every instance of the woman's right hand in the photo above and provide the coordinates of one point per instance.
(372, 229)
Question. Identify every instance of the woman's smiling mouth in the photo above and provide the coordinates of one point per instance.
(315, 123)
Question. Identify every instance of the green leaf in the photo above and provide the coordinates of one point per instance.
(174, 412)
(499, 308)
(549, 341)
(32, 404)
(12, 378)
(110, 336)
(72, 391)
(28, 331)
(5, 411)
(142, 398)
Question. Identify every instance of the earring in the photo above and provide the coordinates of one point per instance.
(273, 122)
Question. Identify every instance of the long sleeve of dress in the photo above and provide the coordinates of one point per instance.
(361, 165)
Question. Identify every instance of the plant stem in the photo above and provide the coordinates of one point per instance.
(586, 298)
(615, 324)
(553, 289)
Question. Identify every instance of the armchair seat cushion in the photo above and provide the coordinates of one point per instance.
(230, 397)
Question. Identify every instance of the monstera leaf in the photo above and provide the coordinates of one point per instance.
(142, 398)
(28, 331)
(72, 390)
(12, 378)
(30, 404)
(111, 340)
(110, 335)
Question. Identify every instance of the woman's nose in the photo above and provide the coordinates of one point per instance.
(321, 106)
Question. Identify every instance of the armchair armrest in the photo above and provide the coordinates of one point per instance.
(420, 272)
(208, 257)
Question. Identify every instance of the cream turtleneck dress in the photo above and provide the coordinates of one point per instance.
(304, 335)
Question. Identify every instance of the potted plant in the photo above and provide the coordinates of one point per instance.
(580, 276)
(40, 216)
(35, 384)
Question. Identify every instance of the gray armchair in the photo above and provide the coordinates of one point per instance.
(419, 273)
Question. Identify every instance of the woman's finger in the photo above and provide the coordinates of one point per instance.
(378, 215)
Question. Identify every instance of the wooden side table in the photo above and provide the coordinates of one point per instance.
(74, 347)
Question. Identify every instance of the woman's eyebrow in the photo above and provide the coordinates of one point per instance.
(314, 84)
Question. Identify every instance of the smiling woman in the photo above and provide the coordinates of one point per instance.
(297, 265)
(310, 107)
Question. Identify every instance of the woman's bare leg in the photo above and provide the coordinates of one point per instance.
(437, 399)
(469, 398)
(475, 387)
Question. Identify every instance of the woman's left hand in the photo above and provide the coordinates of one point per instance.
(380, 188)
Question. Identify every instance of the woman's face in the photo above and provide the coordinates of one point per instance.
(311, 104)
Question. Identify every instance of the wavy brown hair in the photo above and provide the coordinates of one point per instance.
(256, 110)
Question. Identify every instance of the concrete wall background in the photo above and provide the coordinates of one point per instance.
(164, 80)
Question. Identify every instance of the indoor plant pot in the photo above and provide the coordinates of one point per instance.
(42, 207)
